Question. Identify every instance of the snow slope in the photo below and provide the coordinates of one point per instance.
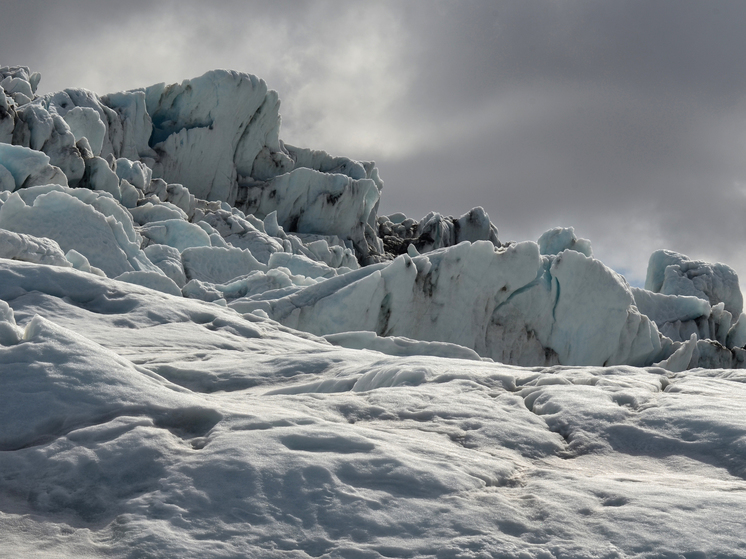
(212, 346)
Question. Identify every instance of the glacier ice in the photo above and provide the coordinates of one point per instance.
(80, 262)
(308, 201)
(151, 280)
(558, 239)
(168, 259)
(212, 345)
(27, 167)
(175, 232)
(71, 223)
(671, 273)
(151, 420)
(99, 176)
(434, 231)
(191, 127)
(397, 345)
(218, 264)
(250, 206)
(41, 250)
(85, 122)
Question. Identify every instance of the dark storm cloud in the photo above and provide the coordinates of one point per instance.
(623, 119)
(490, 47)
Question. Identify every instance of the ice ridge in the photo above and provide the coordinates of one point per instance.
(187, 189)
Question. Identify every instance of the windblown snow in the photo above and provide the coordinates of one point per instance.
(212, 345)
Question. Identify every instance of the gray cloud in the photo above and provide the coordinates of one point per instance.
(623, 119)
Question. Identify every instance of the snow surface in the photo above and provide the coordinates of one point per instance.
(140, 424)
(212, 346)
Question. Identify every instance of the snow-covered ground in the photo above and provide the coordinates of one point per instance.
(211, 345)
(139, 424)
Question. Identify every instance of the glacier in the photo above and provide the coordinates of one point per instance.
(212, 345)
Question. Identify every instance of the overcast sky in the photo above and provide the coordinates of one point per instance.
(624, 119)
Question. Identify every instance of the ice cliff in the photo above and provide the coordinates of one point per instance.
(189, 190)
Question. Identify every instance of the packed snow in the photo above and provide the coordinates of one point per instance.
(211, 345)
